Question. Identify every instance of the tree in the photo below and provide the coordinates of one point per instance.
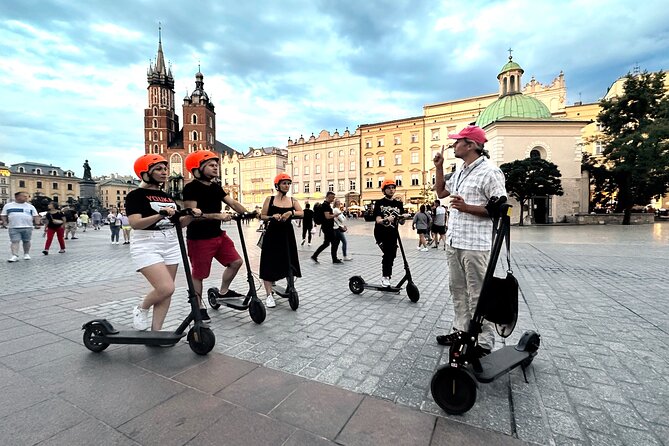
(635, 131)
(40, 202)
(531, 177)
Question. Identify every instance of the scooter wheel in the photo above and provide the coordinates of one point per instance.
(412, 292)
(454, 389)
(257, 311)
(356, 284)
(94, 346)
(293, 300)
(201, 344)
(212, 295)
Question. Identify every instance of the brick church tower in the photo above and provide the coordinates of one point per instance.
(162, 134)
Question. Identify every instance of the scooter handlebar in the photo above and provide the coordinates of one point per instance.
(243, 215)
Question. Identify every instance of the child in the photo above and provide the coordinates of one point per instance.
(387, 213)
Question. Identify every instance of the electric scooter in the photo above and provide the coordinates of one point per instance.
(289, 290)
(251, 302)
(357, 284)
(454, 384)
(100, 333)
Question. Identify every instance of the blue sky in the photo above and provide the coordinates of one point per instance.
(73, 73)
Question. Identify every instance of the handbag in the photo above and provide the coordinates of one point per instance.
(262, 229)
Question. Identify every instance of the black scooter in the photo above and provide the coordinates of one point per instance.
(289, 290)
(99, 333)
(357, 284)
(454, 384)
(251, 302)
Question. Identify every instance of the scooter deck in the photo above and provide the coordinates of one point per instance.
(141, 337)
(499, 362)
(281, 291)
(379, 287)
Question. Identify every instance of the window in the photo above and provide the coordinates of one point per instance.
(382, 161)
(306, 157)
(380, 181)
(369, 162)
(414, 157)
(398, 180)
(599, 148)
(369, 184)
(226, 181)
(351, 165)
(317, 156)
(330, 186)
(435, 134)
(414, 137)
(341, 166)
(296, 187)
(398, 159)
(398, 140)
(414, 179)
(317, 186)
(155, 123)
(54, 173)
(295, 159)
(211, 122)
(306, 170)
(155, 111)
(39, 185)
(330, 168)
(534, 153)
(434, 178)
(38, 171)
(368, 144)
(306, 187)
(341, 153)
(54, 185)
(226, 171)
(194, 136)
(351, 152)
(193, 119)
(55, 198)
(351, 185)
(341, 185)
(234, 170)
(379, 142)
(317, 169)
(330, 154)
(22, 183)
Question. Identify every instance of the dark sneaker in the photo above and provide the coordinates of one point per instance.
(45, 252)
(337, 261)
(204, 315)
(448, 339)
(315, 259)
(75, 238)
(231, 293)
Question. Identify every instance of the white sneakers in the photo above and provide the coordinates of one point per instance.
(13, 259)
(140, 319)
(347, 258)
(424, 248)
(385, 281)
(269, 302)
(26, 256)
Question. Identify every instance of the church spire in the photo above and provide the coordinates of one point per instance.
(160, 59)
(159, 73)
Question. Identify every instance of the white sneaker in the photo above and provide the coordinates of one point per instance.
(348, 258)
(385, 281)
(26, 256)
(140, 319)
(13, 259)
(269, 302)
(425, 248)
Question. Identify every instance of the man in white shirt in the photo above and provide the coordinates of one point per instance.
(20, 216)
(469, 233)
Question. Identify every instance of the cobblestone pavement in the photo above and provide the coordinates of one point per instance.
(597, 295)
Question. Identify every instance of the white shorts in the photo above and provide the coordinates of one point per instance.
(150, 247)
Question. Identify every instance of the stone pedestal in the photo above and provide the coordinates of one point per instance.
(87, 194)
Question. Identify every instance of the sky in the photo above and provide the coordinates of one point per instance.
(73, 73)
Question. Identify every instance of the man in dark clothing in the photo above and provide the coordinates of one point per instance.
(71, 217)
(328, 230)
(387, 213)
(307, 224)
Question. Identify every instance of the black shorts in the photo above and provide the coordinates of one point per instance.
(439, 229)
(421, 231)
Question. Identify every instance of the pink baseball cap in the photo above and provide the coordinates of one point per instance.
(472, 132)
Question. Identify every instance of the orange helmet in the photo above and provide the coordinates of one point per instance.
(195, 160)
(144, 164)
(387, 183)
(279, 178)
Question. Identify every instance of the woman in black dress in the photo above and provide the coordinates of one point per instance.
(279, 241)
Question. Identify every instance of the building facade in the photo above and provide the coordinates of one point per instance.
(257, 168)
(43, 179)
(327, 162)
(5, 191)
(112, 191)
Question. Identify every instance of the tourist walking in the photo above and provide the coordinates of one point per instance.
(55, 225)
(421, 224)
(20, 217)
(114, 218)
(340, 229)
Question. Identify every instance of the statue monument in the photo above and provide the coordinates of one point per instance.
(87, 170)
(87, 190)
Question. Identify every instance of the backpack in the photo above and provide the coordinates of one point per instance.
(319, 214)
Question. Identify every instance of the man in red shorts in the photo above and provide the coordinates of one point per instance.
(206, 239)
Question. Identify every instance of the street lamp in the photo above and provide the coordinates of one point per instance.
(176, 185)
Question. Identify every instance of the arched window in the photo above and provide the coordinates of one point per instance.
(194, 147)
(21, 170)
(194, 136)
(193, 119)
(504, 86)
(512, 84)
(155, 148)
(211, 122)
(538, 152)
(155, 136)
(155, 123)
(38, 171)
(155, 111)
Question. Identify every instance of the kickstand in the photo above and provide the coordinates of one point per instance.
(524, 374)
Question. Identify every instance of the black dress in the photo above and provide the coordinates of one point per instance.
(279, 239)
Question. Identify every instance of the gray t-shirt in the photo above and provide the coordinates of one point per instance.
(440, 216)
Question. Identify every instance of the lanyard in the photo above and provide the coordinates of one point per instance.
(459, 180)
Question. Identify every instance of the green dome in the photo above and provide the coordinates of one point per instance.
(510, 65)
(513, 106)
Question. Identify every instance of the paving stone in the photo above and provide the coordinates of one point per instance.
(90, 431)
(39, 422)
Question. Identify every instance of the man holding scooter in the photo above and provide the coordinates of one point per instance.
(206, 239)
(469, 234)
